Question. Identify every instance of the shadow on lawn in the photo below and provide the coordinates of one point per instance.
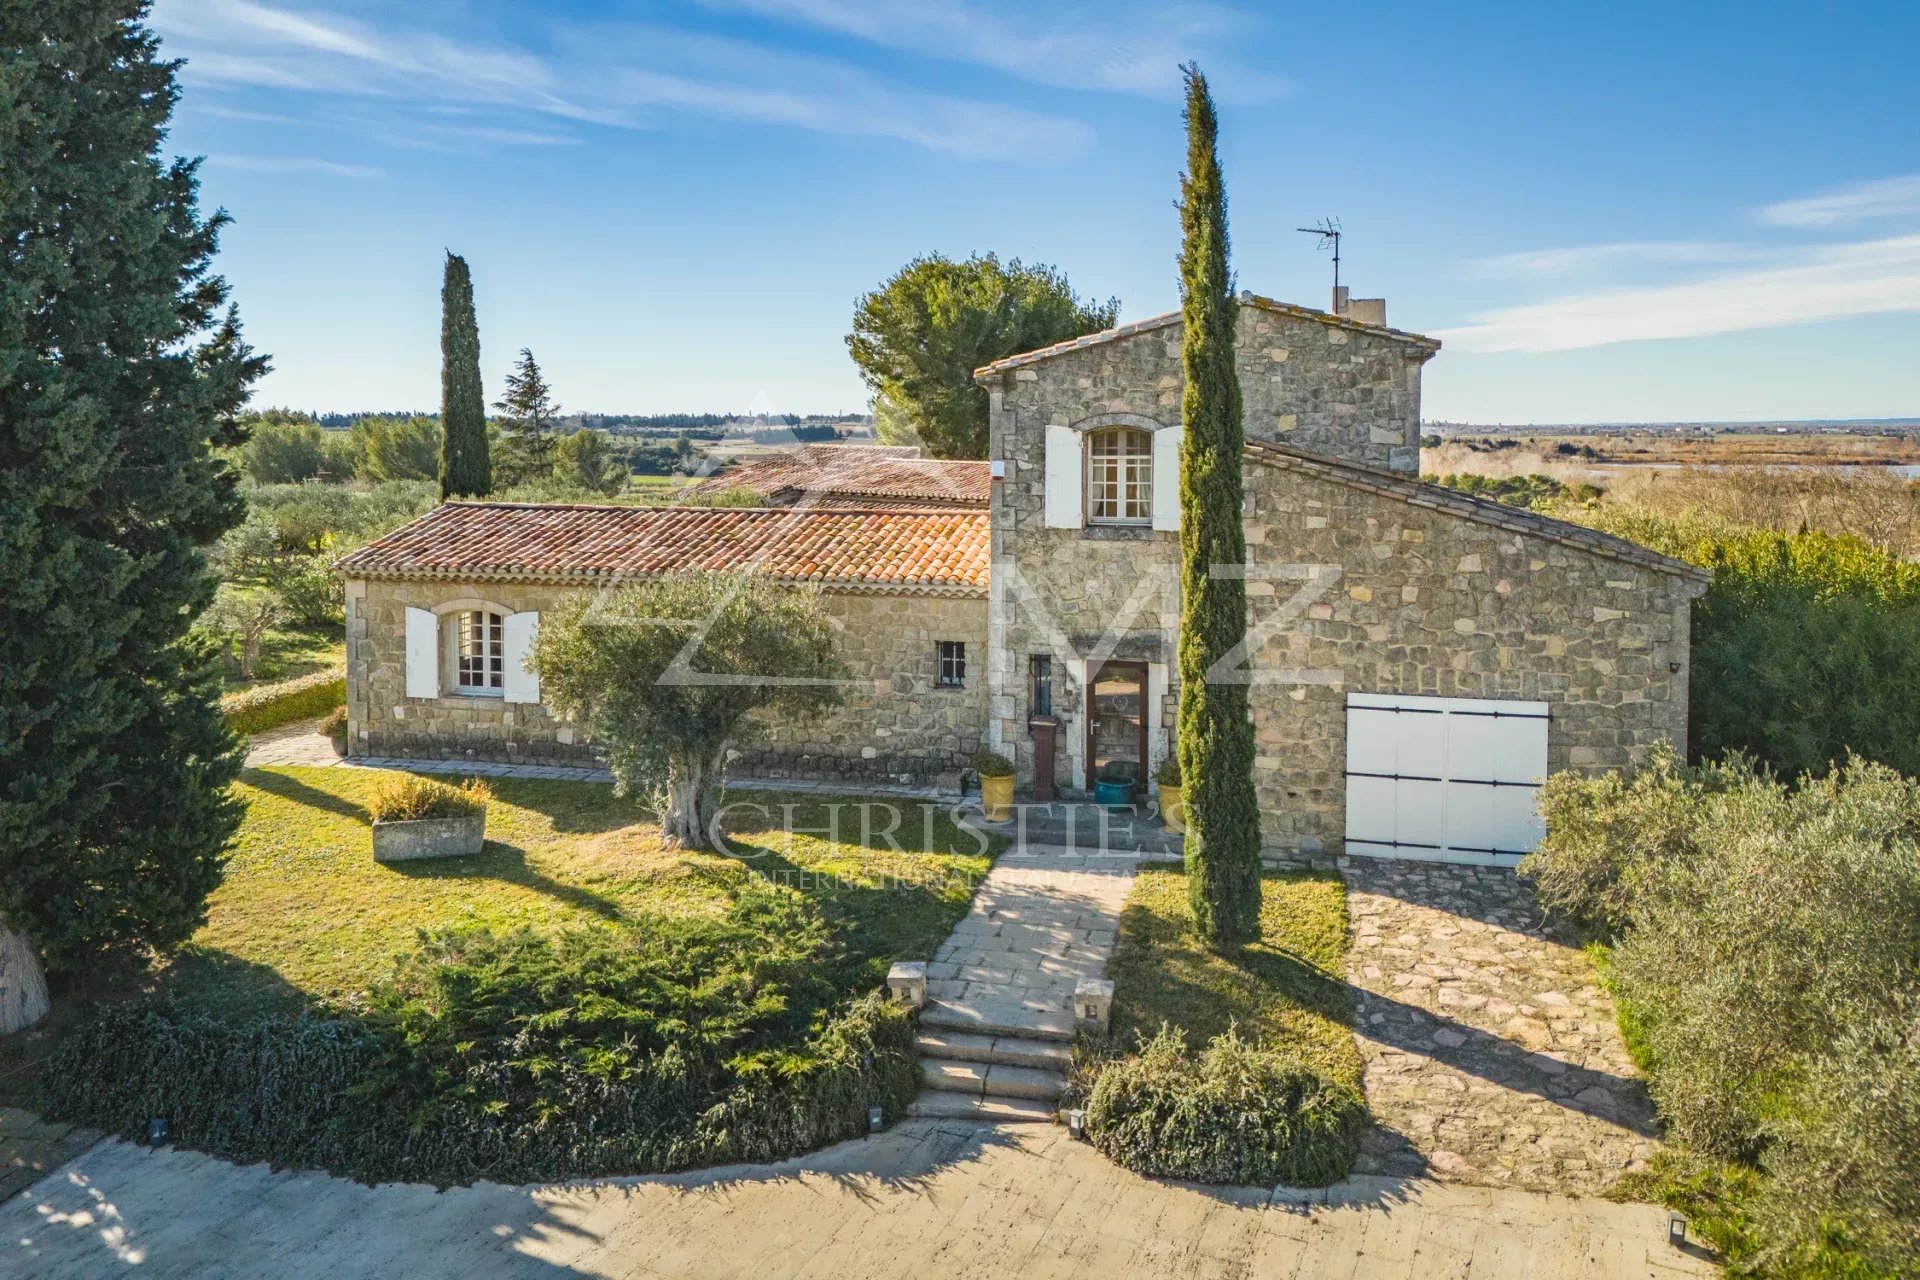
(297, 792)
(507, 863)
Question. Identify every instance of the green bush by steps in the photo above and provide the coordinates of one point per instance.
(269, 706)
(1232, 1113)
(661, 1045)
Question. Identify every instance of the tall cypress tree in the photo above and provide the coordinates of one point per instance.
(121, 368)
(1216, 735)
(466, 471)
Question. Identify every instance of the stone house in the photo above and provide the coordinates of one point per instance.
(1419, 659)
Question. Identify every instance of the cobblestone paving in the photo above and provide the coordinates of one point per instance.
(30, 1146)
(926, 1199)
(1492, 1056)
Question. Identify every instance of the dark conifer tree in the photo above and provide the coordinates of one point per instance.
(121, 368)
(466, 470)
(526, 448)
(1216, 734)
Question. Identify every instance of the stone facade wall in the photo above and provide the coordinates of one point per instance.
(1327, 389)
(896, 724)
(1413, 600)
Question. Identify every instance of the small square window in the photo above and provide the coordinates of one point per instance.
(953, 664)
(1040, 667)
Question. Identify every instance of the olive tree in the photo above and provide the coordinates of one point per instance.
(668, 673)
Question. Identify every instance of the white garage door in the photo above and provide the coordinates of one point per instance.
(1448, 779)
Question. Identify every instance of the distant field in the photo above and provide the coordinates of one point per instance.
(1593, 456)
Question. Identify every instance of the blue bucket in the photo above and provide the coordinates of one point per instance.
(1113, 794)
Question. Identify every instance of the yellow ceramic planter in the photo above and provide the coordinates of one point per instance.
(996, 798)
(1171, 810)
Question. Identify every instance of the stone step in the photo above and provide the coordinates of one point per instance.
(992, 1081)
(1012, 1051)
(998, 1019)
(958, 1106)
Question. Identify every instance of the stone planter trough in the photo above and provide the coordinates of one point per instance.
(429, 838)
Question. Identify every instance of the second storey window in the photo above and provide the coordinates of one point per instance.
(1119, 476)
(953, 664)
(482, 653)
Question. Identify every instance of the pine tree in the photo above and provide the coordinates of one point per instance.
(1216, 734)
(526, 451)
(465, 469)
(121, 368)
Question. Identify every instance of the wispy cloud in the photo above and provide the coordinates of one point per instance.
(1127, 48)
(1845, 206)
(1827, 282)
(626, 76)
(1592, 259)
(294, 164)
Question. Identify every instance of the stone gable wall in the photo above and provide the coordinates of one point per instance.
(1412, 600)
(896, 723)
(1317, 387)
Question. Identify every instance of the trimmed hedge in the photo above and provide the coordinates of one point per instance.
(1232, 1114)
(271, 705)
(319, 1093)
(663, 1044)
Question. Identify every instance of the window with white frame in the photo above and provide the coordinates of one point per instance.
(1119, 476)
(481, 653)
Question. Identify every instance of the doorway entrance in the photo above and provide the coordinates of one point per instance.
(1117, 724)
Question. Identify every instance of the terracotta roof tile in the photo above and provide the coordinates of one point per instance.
(817, 472)
(937, 551)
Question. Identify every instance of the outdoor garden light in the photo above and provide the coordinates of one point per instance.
(1077, 1123)
(157, 1131)
(876, 1119)
(1677, 1230)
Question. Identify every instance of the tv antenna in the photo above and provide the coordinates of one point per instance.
(1329, 232)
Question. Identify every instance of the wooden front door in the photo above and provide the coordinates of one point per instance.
(1117, 723)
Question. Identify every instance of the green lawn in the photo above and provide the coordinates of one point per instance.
(296, 651)
(1286, 991)
(305, 913)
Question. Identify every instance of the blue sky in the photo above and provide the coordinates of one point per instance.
(1619, 212)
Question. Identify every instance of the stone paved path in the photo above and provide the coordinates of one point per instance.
(30, 1147)
(1039, 923)
(924, 1200)
(1492, 1056)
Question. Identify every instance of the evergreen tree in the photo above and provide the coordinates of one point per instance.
(526, 450)
(465, 469)
(1216, 734)
(121, 370)
(918, 338)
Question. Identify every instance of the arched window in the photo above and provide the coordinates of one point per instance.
(1119, 476)
(481, 637)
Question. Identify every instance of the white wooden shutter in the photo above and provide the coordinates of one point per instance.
(423, 654)
(1064, 478)
(1166, 477)
(521, 685)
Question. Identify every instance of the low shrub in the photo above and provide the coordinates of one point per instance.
(1168, 772)
(271, 705)
(991, 764)
(1231, 1114)
(408, 797)
(334, 725)
(663, 1045)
